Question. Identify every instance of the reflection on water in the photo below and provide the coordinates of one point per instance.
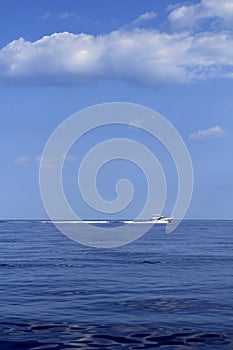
(72, 336)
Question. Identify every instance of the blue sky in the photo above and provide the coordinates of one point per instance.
(58, 57)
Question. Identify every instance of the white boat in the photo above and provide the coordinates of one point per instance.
(155, 219)
(160, 219)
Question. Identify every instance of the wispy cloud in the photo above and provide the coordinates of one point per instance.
(71, 158)
(190, 15)
(61, 16)
(68, 15)
(51, 163)
(147, 16)
(210, 133)
(136, 123)
(46, 163)
(46, 15)
(22, 160)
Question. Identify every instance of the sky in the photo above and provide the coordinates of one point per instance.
(58, 57)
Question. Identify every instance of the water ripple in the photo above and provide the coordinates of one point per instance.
(35, 336)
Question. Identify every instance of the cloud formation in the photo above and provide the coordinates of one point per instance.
(214, 132)
(61, 16)
(66, 15)
(50, 163)
(145, 17)
(141, 56)
(47, 163)
(22, 160)
(188, 16)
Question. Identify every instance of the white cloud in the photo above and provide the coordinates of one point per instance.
(145, 57)
(229, 75)
(51, 163)
(61, 16)
(47, 163)
(68, 15)
(136, 122)
(188, 16)
(71, 158)
(171, 7)
(214, 132)
(22, 160)
(46, 15)
(147, 16)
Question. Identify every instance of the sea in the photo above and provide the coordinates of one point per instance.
(168, 291)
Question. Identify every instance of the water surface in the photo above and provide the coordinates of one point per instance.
(170, 291)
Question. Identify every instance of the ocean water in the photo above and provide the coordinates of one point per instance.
(168, 291)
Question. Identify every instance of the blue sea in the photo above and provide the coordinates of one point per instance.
(168, 291)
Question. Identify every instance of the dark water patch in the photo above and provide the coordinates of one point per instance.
(35, 336)
(152, 262)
